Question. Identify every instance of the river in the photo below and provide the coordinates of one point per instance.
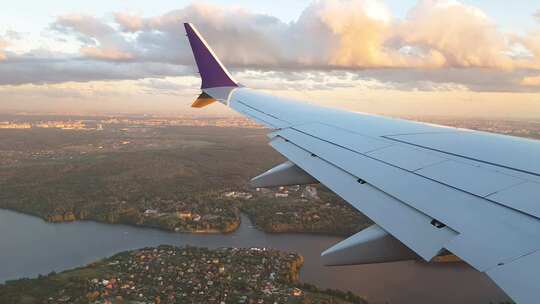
(30, 246)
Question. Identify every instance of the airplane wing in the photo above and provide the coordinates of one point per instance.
(429, 189)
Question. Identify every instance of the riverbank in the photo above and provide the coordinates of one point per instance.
(168, 274)
(211, 217)
(184, 179)
(31, 246)
(278, 210)
(303, 209)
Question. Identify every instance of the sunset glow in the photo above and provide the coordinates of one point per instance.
(438, 57)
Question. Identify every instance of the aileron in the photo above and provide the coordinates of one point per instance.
(410, 226)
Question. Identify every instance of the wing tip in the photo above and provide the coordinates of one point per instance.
(212, 71)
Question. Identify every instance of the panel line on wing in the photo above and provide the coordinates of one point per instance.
(409, 225)
(462, 156)
(485, 197)
(255, 109)
(458, 209)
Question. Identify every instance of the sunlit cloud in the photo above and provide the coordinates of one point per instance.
(359, 36)
(350, 34)
(531, 81)
(106, 53)
(3, 44)
(432, 30)
(164, 95)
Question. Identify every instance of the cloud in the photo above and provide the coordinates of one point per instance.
(346, 34)
(360, 36)
(99, 40)
(3, 44)
(129, 23)
(351, 34)
(452, 34)
(329, 34)
(83, 25)
(531, 81)
(26, 70)
(106, 53)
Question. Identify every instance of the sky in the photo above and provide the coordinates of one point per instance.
(402, 58)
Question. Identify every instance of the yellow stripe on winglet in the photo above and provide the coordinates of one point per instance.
(203, 100)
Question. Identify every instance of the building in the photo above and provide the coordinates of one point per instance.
(310, 192)
(240, 195)
(184, 215)
(150, 212)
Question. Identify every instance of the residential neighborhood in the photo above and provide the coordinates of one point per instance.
(168, 274)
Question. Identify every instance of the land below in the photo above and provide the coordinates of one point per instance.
(177, 174)
(178, 177)
(168, 274)
(151, 173)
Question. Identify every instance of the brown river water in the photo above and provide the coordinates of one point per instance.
(30, 246)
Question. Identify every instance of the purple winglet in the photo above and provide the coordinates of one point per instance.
(213, 73)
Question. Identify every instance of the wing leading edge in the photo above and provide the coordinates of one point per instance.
(433, 188)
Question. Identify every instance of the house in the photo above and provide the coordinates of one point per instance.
(150, 212)
(310, 193)
(294, 188)
(297, 292)
(184, 215)
(241, 195)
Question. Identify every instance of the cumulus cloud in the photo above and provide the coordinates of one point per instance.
(129, 23)
(348, 33)
(99, 40)
(452, 34)
(84, 25)
(240, 37)
(329, 34)
(360, 36)
(106, 53)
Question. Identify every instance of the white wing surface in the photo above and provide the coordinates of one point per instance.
(435, 189)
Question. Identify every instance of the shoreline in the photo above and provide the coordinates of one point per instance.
(235, 226)
(152, 273)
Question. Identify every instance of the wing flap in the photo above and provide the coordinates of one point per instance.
(410, 226)
(482, 225)
(520, 278)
